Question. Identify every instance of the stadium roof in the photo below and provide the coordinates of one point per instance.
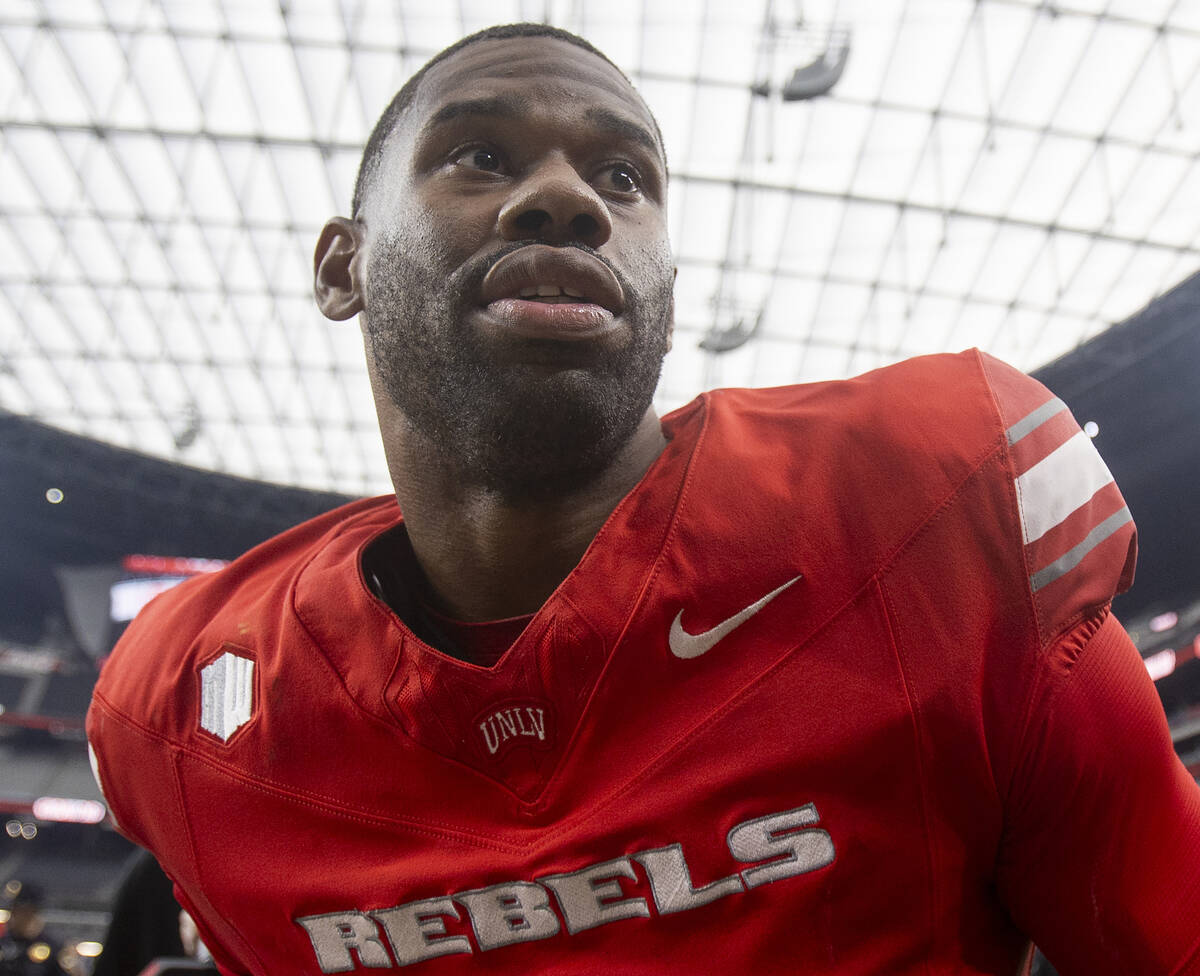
(1013, 174)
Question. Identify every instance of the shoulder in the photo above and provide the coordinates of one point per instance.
(1076, 532)
(919, 408)
(881, 455)
(867, 459)
(177, 630)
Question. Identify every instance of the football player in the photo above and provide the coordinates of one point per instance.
(820, 679)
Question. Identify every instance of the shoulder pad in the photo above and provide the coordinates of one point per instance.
(1079, 540)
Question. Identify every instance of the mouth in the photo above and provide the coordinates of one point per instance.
(551, 295)
(545, 292)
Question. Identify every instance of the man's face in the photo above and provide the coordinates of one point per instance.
(518, 276)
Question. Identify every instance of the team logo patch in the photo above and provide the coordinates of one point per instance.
(226, 694)
(508, 725)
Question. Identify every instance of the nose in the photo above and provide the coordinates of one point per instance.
(553, 203)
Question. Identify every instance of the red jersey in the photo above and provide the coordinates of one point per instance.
(835, 689)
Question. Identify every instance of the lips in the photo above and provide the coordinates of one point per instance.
(578, 275)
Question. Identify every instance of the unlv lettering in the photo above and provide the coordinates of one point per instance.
(597, 894)
(513, 724)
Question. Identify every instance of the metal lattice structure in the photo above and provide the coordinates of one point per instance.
(1013, 174)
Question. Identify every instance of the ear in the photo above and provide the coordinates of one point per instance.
(336, 282)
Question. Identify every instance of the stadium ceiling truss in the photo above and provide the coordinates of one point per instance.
(852, 182)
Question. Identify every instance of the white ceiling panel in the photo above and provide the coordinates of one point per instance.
(1013, 174)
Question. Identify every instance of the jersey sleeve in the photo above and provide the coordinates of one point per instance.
(1100, 858)
(137, 774)
(133, 737)
(1077, 533)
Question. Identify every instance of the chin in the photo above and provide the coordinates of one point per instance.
(543, 436)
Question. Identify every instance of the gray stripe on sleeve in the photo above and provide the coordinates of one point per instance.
(1074, 556)
(1032, 421)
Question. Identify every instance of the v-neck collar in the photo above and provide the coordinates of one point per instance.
(459, 710)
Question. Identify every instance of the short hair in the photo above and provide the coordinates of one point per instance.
(369, 163)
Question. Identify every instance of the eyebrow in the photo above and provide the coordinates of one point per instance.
(513, 107)
(504, 106)
(622, 126)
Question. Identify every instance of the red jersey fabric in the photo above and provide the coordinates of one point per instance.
(835, 689)
(481, 642)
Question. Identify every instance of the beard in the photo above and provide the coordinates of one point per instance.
(532, 427)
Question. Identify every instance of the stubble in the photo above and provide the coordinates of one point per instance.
(519, 425)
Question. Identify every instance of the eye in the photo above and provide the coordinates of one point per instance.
(620, 177)
(481, 158)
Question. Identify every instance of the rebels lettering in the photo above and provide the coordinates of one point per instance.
(775, 847)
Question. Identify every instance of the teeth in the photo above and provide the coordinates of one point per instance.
(547, 291)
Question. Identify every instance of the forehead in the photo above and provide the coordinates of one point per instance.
(543, 71)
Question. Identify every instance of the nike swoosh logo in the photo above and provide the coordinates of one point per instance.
(687, 646)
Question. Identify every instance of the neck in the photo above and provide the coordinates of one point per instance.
(487, 557)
